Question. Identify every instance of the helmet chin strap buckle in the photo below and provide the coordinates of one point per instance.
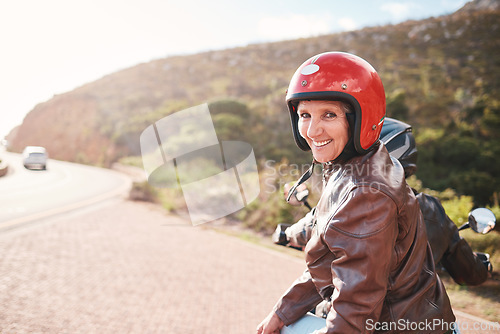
(301, 180)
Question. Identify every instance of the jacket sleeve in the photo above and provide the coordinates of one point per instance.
(299, 299)
(463, 265)
(361, 235)
(299, 233)
(448, 247)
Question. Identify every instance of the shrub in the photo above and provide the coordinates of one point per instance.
(143, 191)
(271, 208)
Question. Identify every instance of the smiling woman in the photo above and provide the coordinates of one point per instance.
(368, 254)
(324, 126)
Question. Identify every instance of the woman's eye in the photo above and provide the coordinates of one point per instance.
(331, 115)
(304, 115)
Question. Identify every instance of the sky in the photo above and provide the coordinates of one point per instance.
(54, 46)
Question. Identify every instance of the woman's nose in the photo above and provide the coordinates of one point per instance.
(315, 128)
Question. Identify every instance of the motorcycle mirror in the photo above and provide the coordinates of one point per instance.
(482, 220)
(300, 195)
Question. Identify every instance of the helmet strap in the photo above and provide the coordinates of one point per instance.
(301, 180)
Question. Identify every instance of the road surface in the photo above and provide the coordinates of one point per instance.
(28, 195)
(118, 266)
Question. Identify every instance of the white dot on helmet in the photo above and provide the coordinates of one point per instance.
(309, 69)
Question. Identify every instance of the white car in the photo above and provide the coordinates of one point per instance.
(35, 157)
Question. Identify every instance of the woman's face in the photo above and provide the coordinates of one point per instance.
(324, 126)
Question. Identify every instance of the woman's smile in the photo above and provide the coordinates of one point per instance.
(324, 126)
(321, 143)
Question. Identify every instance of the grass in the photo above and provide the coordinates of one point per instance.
(482, 301)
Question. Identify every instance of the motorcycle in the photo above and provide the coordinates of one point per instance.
(480, 220)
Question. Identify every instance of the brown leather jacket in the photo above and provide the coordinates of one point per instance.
(448, 247)
(369, 255)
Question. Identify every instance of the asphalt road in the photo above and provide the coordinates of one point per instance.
(28, 195)
(126, 267)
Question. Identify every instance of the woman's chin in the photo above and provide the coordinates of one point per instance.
(323, 158)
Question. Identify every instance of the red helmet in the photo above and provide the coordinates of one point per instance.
(343, 77)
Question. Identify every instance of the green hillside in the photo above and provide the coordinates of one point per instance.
(440, 74)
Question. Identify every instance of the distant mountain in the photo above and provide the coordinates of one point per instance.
(432, 69)
(480, 5)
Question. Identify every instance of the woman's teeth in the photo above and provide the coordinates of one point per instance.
(321, 143)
